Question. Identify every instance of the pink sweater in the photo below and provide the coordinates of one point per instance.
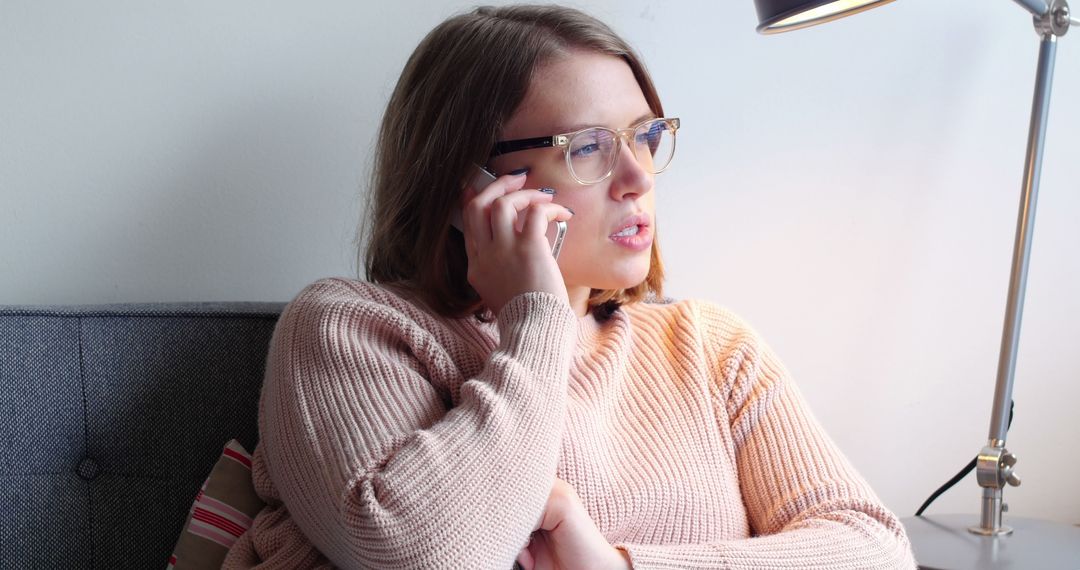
(395, 438)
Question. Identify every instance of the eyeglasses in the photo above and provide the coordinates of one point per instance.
(591, 154)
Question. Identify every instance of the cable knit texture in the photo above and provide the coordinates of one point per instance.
(395, 438)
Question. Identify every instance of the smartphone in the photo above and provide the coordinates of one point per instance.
(481, 178)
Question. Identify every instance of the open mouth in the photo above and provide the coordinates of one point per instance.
(628, 231)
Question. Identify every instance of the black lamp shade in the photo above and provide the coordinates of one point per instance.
(776, 16)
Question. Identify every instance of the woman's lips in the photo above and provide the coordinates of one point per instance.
(638, 242)
(640, 219)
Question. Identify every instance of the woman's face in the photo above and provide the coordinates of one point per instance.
(588, 89)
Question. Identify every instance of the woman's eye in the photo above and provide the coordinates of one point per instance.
(585, 150)
(652, 134)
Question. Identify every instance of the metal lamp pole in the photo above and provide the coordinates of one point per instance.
(940, 541)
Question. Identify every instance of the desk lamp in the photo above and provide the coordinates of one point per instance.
(942, 541)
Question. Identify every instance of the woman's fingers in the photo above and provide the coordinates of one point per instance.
(504, 262)
(568, 537)
(542, 553)
(525, 558)
(506, 211)
(475, 213)
(540, 216)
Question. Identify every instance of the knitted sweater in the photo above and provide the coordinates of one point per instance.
(391, 437)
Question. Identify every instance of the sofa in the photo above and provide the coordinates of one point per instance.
(111, 417)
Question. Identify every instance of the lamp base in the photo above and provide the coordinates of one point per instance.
(943, 542)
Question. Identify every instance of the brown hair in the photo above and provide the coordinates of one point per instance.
(461, 84)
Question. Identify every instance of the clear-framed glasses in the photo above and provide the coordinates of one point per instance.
(591, 154)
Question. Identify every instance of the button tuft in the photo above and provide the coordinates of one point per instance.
(88, 469)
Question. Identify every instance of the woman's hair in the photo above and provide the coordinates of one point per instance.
(458, 89)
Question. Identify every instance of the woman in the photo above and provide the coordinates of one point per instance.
(480, 402)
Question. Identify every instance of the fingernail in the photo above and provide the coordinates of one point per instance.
(548, 191)
(571, 211)
(519, 171)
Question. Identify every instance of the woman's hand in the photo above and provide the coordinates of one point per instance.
(567, 538)
(505, 238)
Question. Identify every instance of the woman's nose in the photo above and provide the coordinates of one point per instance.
(630, 177)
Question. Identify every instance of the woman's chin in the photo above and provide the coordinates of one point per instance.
(622, 279)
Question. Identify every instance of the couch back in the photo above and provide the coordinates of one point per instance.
(111, 417)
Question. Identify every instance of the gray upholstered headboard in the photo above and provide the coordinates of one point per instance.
(111, 416)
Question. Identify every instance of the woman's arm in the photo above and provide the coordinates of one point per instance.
(807, 506)
(373, 467)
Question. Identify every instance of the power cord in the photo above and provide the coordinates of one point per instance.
(963, 472)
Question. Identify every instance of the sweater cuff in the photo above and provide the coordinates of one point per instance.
(537, 328)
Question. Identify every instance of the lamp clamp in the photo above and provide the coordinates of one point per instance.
(994, 470)
(1056, 20)
(994, 467)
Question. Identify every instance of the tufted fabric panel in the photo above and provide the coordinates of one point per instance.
(111, 416)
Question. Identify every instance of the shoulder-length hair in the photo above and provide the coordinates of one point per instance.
(459, 87)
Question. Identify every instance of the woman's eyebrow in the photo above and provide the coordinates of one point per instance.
(645, 117)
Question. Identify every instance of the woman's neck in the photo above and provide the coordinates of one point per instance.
(579, 299)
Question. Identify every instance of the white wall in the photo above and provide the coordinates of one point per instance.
(850, 189)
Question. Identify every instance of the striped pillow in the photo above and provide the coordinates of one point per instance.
(222, 511)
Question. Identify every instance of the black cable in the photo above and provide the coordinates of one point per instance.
(956, 478)
(963, 472)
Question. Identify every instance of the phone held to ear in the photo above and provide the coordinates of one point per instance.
(480, 180)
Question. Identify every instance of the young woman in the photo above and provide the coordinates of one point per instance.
(478, 402)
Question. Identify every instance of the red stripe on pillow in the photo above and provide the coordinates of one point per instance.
(226, 510)
(217, 521)
(246, 461)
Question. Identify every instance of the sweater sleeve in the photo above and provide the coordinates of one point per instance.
(373, 467)
(806, 504)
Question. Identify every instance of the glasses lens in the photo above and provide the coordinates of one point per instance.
(654, 145)
(591, 153)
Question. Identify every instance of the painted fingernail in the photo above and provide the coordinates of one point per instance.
(519, 171)
(548, 191)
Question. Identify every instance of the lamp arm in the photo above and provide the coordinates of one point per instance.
(1036, 7)
(995, 464)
